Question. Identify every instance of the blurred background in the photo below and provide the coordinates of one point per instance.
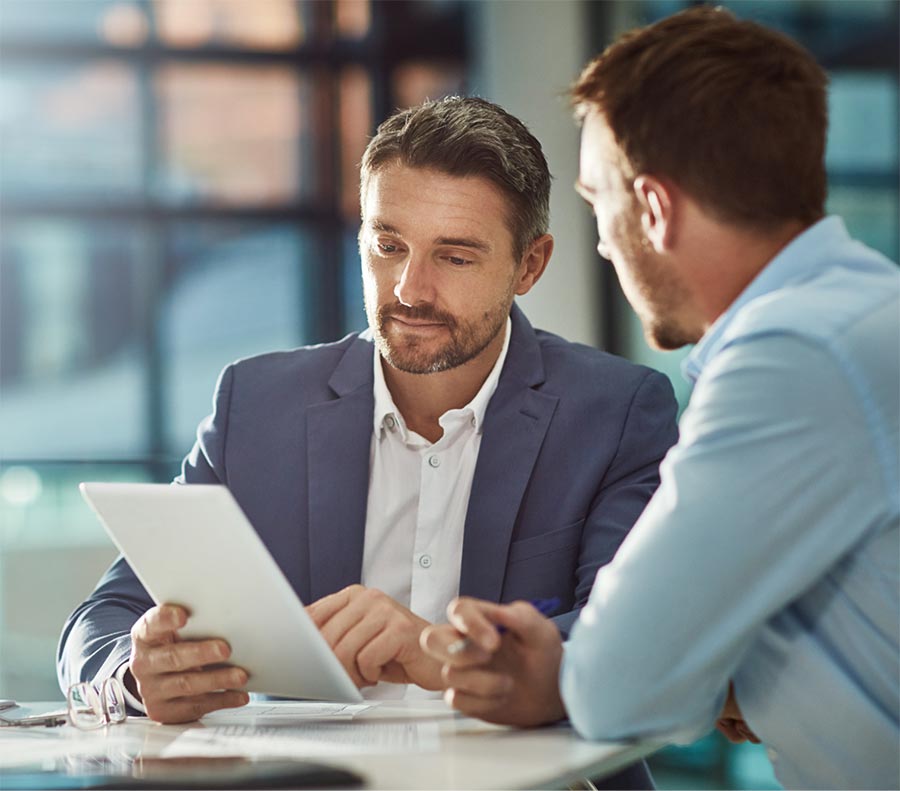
(178, 188)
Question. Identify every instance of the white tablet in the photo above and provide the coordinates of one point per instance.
(192, 545)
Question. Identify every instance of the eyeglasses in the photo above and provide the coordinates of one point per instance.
(91, 707)
(87, 707)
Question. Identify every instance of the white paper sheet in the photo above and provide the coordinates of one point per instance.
(282, 713)
(308, 739)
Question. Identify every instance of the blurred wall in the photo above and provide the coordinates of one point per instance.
(526, 54)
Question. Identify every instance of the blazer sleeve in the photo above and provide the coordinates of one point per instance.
(96, 638)
(649, 430)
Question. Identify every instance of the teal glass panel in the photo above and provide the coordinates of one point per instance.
(73, 301)
(237, 290)
(70, 131)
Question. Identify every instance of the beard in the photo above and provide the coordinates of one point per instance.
(656, 293)
(416, 355)
(667, 336)
(662, 297)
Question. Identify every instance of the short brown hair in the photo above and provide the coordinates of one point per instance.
(468, 136)
(734, 113)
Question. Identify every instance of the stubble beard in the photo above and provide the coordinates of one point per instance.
(667, 336)
(662, 294)
(415, 356)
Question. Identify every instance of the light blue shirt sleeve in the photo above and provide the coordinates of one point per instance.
(775, 479)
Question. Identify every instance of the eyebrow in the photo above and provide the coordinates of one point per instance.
(447, 241)
(456, 241)
(378, 225)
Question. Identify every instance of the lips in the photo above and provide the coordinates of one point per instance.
(417, 322)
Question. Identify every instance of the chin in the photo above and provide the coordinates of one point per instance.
(667, 337)
(417, 365)
(411, 359)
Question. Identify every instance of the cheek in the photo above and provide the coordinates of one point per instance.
(375, 293)
(368, 279)
(377, 279)
(630, 278)
(626, 281)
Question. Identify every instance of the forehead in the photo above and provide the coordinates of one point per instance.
(422, 200)
(600, 158)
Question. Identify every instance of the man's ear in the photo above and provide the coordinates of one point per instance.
(533, 263)
(657, 211)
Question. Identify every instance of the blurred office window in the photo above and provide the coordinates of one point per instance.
(178, 189)
(856, 42)
(69, 130)
(352, 18)
(416, 81)
(356, 124)
(66, 22)
(248, 24)
(263, 155)
(73, 304)
(234, 286)
(862, 156)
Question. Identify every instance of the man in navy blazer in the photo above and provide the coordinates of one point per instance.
(550, 448)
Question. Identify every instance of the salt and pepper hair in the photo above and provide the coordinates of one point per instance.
(468, 136)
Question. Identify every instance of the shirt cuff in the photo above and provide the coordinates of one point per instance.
(130, 699)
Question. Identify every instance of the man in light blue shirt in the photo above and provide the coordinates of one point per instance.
(760, 588)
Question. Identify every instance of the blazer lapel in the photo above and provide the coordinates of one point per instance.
(515, 424)
(338, 437)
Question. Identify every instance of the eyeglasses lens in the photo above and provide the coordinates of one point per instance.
(113, 701)
(85, 708)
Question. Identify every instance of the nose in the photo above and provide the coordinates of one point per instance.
(604, 251)
(416, 284)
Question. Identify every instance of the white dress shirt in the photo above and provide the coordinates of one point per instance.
(418, 498)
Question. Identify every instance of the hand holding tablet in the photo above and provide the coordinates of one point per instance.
(241, 609)
(181, 680)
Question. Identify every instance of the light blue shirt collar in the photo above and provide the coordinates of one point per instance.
(798, 261)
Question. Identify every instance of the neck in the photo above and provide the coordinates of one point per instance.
(731, 260)
(423, 398)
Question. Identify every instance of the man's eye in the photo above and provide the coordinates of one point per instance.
(457, 260)
(387, 247)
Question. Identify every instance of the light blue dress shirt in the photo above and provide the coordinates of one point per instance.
(769, 555)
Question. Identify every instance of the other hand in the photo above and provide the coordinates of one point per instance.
(731, 721)
(509, 679)
(180, 681)
(375, 638)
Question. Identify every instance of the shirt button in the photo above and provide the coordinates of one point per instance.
(474, 422)
(434, 461)
(390, 422)
(425, 561)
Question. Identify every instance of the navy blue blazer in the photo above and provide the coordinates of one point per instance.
(572, 441)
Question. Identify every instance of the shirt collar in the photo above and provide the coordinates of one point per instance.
(477, 407)
(800, 260)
